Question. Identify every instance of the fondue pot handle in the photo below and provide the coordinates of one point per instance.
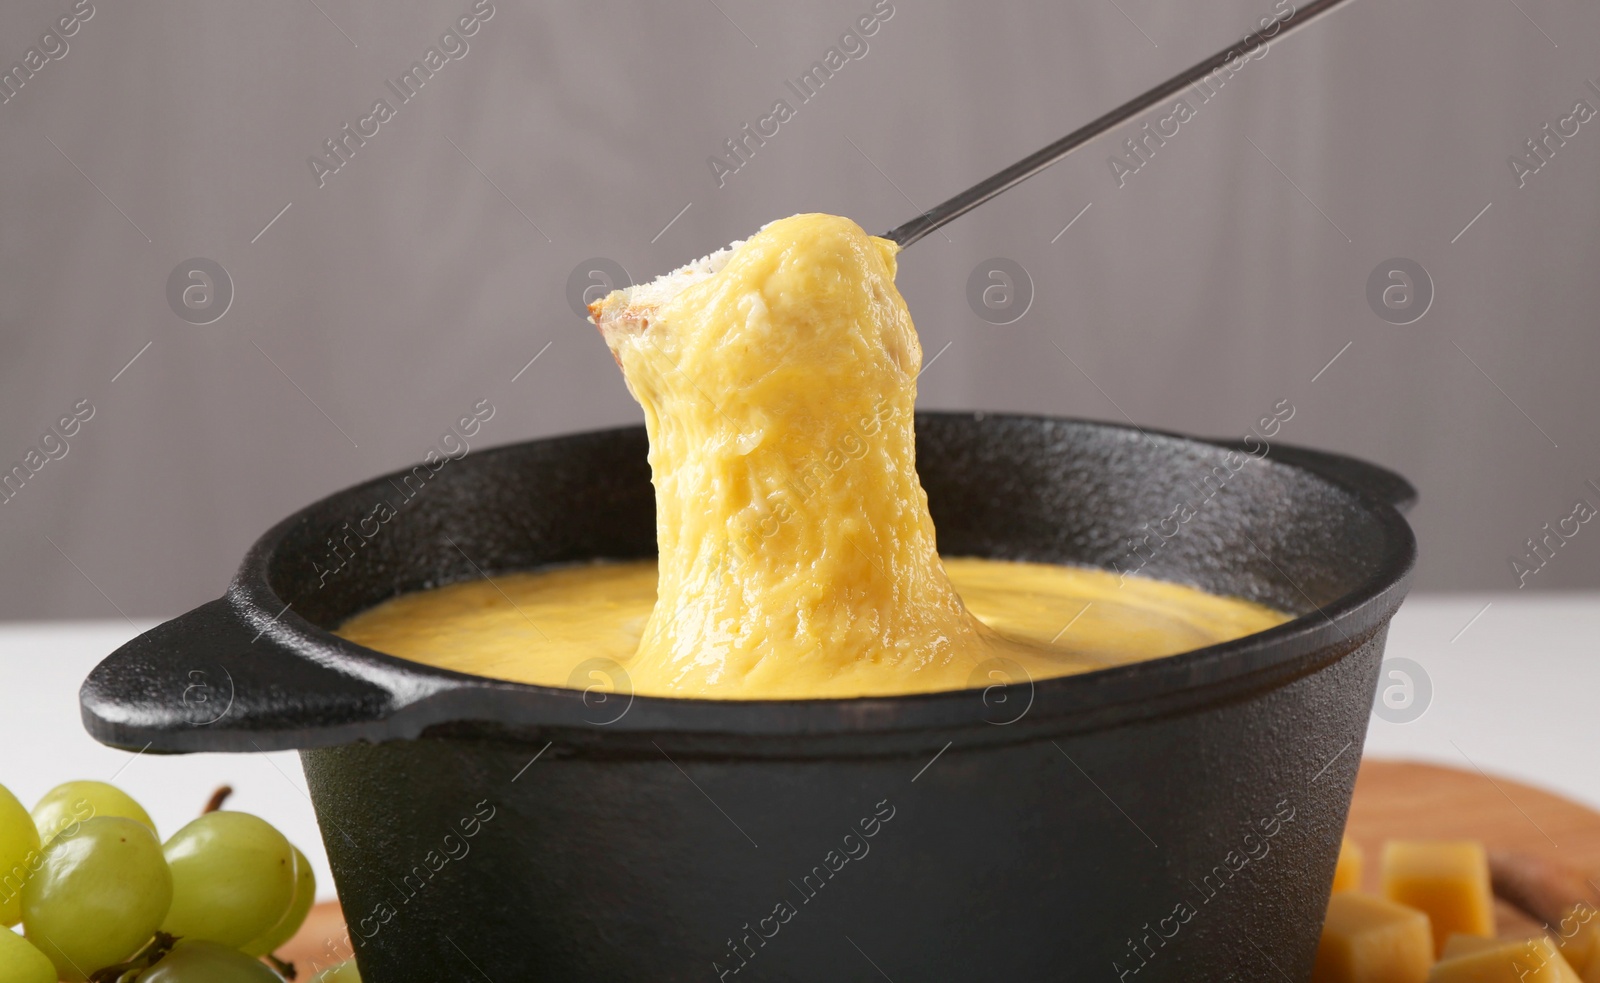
(229, 676)
(1352, 473)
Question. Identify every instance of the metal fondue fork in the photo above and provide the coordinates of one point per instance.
(1037, 161)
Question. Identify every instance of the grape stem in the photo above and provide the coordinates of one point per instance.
(285, 969)
(142, 960)
(217, 798)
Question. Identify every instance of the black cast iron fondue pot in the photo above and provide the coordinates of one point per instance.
(1176, 819)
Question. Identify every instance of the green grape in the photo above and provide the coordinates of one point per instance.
(344, 972)
(19, 845)
(232, 878)
(199, 961)
(305, 895)
(72, 802)
(97, 896)
(21, 962)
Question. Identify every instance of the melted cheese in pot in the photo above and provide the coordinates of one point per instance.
(796, 554)
(547, 627)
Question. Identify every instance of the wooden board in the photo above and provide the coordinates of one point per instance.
(1394, 800)
(1401, 799)
(320, 943)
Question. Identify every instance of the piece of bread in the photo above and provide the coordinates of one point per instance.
(628, 310)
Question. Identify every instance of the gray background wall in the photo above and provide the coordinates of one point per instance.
(376, 310)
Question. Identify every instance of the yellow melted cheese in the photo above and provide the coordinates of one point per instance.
(796, 554)
(547, 627)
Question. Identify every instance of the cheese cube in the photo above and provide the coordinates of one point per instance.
(1368, 939)
(1448, 880)
(1528, 961)
(1578, 935)
(1347, 875)
(1461, 945)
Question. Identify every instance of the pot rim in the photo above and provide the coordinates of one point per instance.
(426, 697)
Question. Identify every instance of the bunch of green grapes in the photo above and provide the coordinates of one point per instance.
(100, 897)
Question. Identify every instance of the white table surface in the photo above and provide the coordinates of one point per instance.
(1517, 693)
